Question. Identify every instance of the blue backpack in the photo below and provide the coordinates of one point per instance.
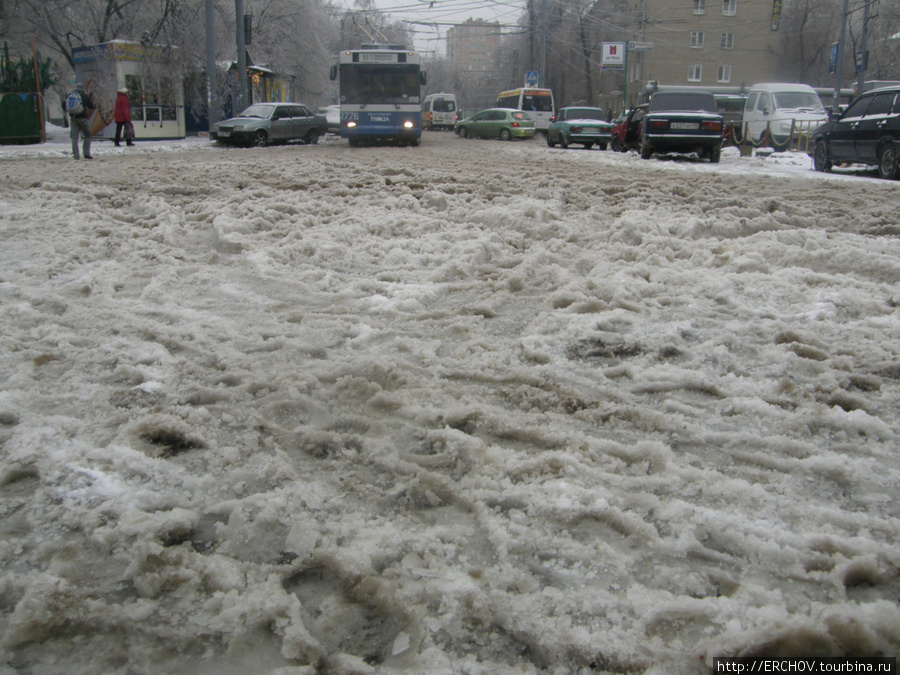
(74, 103)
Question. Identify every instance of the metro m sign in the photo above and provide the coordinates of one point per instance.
(612, 55)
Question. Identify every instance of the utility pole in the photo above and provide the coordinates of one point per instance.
(543, 62)
(211, 70)
(838, 67)
(242, 55)
(863, 49)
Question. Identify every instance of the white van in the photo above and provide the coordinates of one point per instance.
(779, 106)
(538, 103)
(439, 111)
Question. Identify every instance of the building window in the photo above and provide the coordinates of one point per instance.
(695, 73)
(699, 6)
(727, 40)
(696, 38)
(724, 74)
(729, 7)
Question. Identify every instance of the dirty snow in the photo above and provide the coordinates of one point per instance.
(468, 408)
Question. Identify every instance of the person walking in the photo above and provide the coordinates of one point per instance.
(80, 107)
(122, 117)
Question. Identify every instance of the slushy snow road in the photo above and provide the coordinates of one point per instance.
(468, 408)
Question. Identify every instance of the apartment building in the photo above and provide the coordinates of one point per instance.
(473, 45)
(715, 43)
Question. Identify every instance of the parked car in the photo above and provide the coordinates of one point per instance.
(683, 122)
(731, 107)
(626, 131)
(265, 123)
(781, 108)
(502, 123)
(867, 132)
(332, 114)
(576, 124)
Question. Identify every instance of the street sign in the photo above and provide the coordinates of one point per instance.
(833, 57)
(640, 46)
(531, 78)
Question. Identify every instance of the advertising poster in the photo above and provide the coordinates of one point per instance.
(612, 56)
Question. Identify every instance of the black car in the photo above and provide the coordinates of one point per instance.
(867, 132)
(682, 121)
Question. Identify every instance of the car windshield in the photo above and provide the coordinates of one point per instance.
(730, 104)
(683, 102)
(798, 100)
(261, 111)
(585, 114)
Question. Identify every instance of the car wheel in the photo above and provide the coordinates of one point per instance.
(462, 132)
(887, 162)
(616, 144)
(261, 139)
(312, 137)
(505, 135)
(550, 143)
(563, 141)
(646, 151)
(820, 157)
(715, 154)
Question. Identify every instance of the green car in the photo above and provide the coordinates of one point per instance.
(587, 126)
(503, 123)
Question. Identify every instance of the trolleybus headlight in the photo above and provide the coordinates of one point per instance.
(409, 125)
(351, 125)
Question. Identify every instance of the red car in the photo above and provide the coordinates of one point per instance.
(626, 134)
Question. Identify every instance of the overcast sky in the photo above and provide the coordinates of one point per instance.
(430, 20)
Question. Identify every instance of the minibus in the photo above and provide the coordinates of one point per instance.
(439, 111)
(538, 103)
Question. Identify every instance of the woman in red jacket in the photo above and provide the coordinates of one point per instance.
(122, 115)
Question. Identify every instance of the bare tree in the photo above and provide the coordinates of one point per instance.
(883, 41)
(809, 27)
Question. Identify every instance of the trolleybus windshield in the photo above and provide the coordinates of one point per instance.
(374, 83)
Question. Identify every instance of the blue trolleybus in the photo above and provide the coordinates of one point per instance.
(380, 94)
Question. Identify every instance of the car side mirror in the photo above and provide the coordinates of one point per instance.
(766, 110)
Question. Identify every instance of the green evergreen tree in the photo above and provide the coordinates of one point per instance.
(19, 76)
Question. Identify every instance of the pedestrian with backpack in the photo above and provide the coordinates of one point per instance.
(80, 108)
(122, 117)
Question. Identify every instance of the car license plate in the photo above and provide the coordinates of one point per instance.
(224, 133)
(689, 126)
(591, 130)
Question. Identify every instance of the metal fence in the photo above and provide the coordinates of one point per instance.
(799, 139)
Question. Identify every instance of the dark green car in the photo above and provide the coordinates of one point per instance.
(582, 125)
(503, 123)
